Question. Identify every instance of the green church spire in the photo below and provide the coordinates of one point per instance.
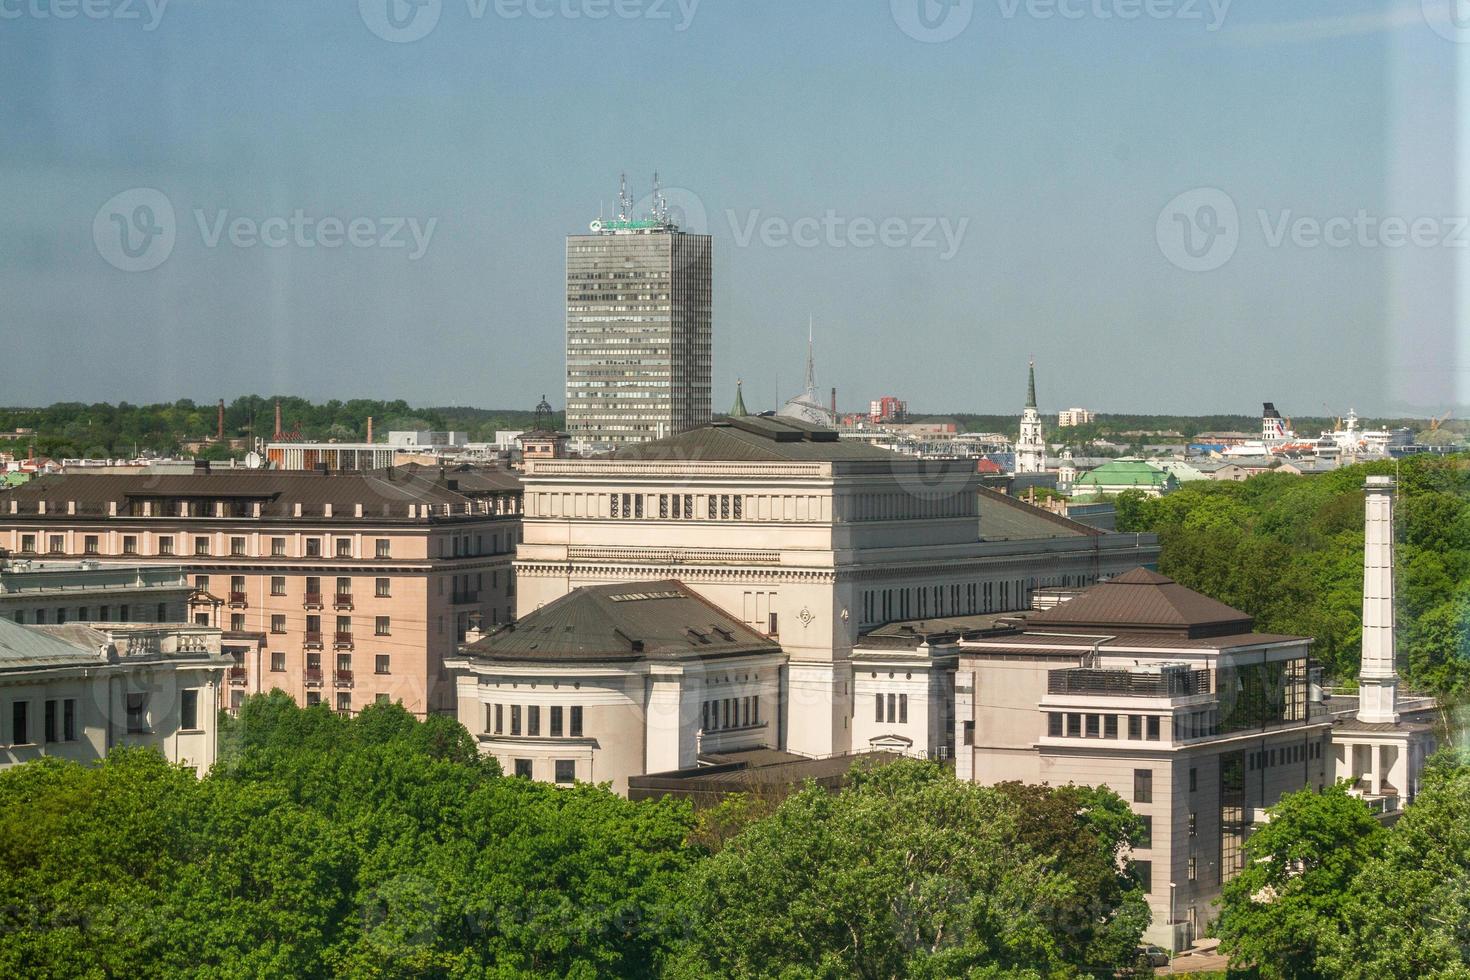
(738, 410)
(1031, 386)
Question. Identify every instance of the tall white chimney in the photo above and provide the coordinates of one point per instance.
(1378, 679)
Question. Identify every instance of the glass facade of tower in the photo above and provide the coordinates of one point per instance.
(638, 335)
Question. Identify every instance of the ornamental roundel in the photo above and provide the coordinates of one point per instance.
(806, 616)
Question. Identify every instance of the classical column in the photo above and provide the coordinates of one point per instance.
(1378, 678)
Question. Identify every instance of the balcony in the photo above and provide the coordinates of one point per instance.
(343, 678)
(342, 600)
(465, 598)
(314, 638)
(342, 641)
(313, 677)
(237, 600)
(312, 600)
(238, 677)
(1168, 683)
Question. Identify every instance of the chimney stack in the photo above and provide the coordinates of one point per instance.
(219, 429)
(370, 430)
(277, 436)
(834, 406)
(1378, 677)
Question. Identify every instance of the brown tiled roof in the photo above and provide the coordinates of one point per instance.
(382, 493)
(628, 621)
(1144, 601)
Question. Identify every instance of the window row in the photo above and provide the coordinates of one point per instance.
(896, 705)
(723, 713)
(951, 599)
(1076, 724)
(311, 595)
(201, 545)
(561, 722)
(59, 721)
(83, 614)
(565, 770)
(382, 663)
(1284, 756)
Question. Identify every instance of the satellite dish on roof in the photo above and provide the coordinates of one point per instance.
(253, 460)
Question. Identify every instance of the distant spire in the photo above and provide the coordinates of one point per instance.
(737, 411)
(811, 373)
(1031, 386)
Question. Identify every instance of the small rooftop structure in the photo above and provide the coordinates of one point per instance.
(1144, 601)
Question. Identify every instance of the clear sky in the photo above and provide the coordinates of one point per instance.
(1127, 189)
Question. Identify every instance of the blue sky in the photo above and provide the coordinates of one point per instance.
(1032, 176)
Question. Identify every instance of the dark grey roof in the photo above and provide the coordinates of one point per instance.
(382, 493)
(662, 620)
(757, 438)
(1141, 601)
(941, 629)
(1004, 518)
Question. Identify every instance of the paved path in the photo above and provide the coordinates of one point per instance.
(1198, 963)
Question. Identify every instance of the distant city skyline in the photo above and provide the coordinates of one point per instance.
(1175, 214)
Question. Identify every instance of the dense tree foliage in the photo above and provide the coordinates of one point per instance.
(911, 873)
(1289, 551)
(385, 846)
(73, 429)
(1327, 893)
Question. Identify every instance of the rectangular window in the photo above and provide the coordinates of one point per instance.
(130, 544)
(380, 626)
(523, 768)
(69, 720)
(574, 723)
(51, 721)
(1053, 724)
(237, 547)
(556, 720)
(1110, 726)
(344, 547)
(28, 543)
(1143, 786)
(1143, 873)
(278, 585)
(515, 719)
(20, 728)
(380, 588)
(1094, 729)
(1193, 824)
(878, 707)
(278, 623)
(1135, 726)
(380, 663)
(1193, 779)
(1153, 728)
(969, 737)
(499, 718)
(1146, 835)
(1074, 724)
(166, 545)
(237, 622)
(201, 583)
(201, 546)
(58, 544)
(344, 587)
(382, 548)
(903, 706)
(278, 661)
(344, 702)
(137, 711)
(533, 720)
(278, 547)
(313, 547)
(1193, 870)
(189, 709)
(566, 771)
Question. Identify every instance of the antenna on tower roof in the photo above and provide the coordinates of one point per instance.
(625, 203)
(659, 207)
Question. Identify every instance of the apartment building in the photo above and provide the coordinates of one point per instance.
(344, 588)
(39, 592)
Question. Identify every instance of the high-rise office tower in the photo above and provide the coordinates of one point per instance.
(638, 328)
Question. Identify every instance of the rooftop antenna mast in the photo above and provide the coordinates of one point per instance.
(625, 203)
(660, 207)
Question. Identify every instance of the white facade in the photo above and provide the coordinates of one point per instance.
(1031, 444)
(1069, 417)
(147, 686)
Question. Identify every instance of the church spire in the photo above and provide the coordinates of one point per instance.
(811, 373)
(1031, 386)
(737, 411)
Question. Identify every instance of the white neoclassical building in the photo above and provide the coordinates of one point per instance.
(78, 691)
(613, 681)
(805, 539)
